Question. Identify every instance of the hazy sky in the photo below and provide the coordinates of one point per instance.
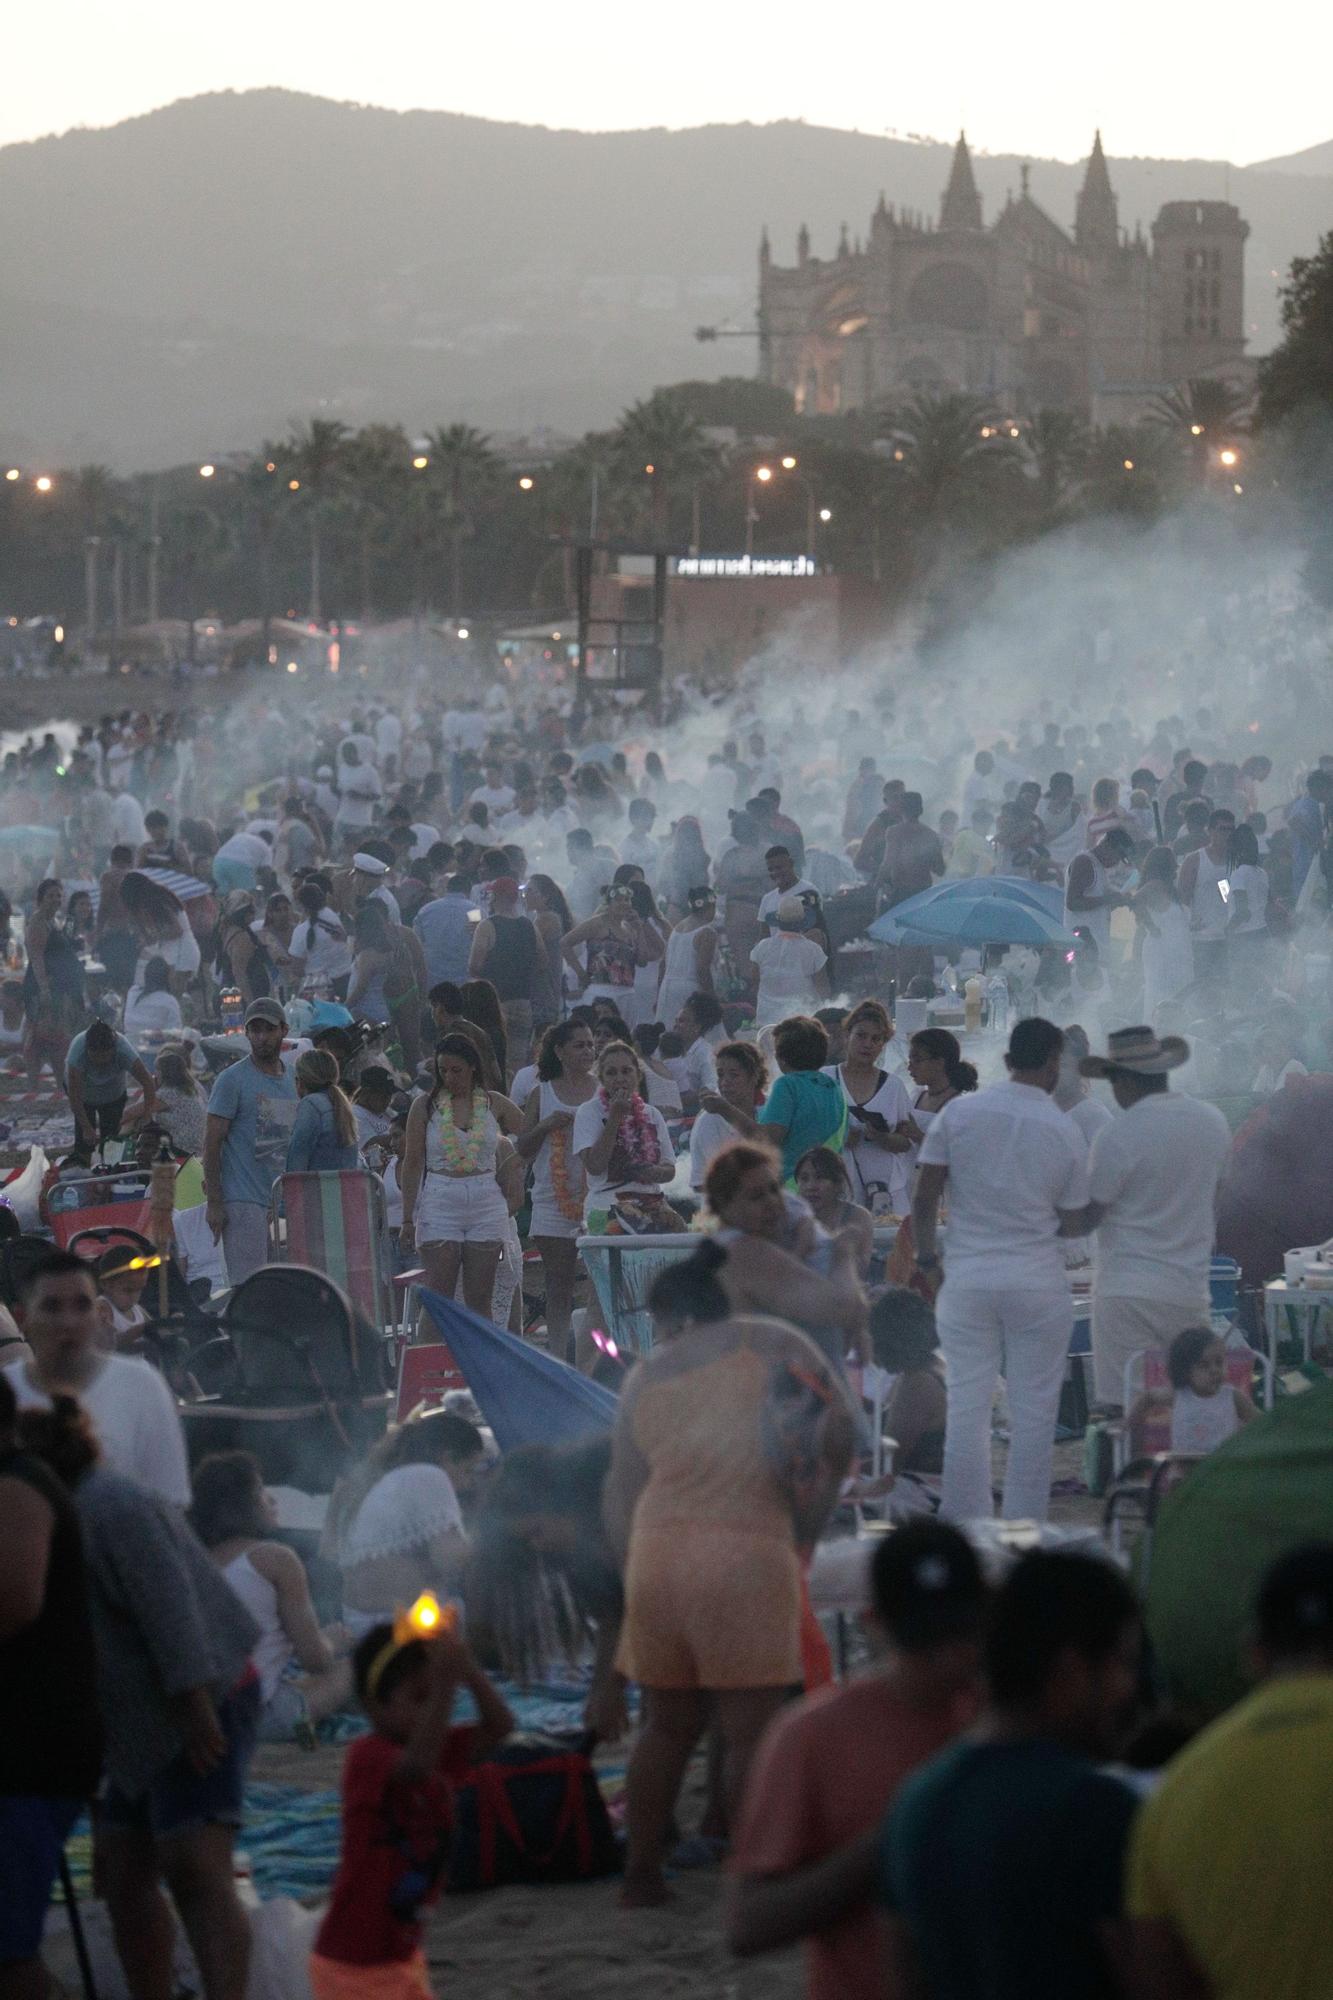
(1159, 76)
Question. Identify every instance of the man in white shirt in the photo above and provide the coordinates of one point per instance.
(1152, 1184)
(1015, 1167)
(696, 1070)
(127, 821)
(495, 794)
(132, 1410)
(639, 845)
(786, 882)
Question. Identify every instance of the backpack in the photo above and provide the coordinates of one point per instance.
(530, 1812)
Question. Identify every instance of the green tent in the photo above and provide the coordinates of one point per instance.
(1267, 1489)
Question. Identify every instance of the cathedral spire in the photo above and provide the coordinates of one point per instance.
(1097, 223)
(961, 206)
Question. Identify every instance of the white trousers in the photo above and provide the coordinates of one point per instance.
(1025, 1334)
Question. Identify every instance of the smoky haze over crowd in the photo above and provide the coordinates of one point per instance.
(190, 280)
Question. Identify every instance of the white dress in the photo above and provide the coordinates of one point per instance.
(1168, 958)
(680, 974)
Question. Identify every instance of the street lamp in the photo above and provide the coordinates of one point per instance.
(13, 474)
(1229, 457)
(44, 483)
(526, 483)
(420, 462)
(207, 471)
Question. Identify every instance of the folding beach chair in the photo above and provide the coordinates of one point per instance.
(335, 1223)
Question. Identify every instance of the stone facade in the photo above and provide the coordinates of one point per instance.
(1021, 311)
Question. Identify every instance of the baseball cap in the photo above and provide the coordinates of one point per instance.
(265, 1010)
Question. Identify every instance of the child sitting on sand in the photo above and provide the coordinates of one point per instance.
(397, 1812)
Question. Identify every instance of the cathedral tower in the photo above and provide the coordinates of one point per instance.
(961, 206)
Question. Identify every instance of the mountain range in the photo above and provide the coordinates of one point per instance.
(190, 281)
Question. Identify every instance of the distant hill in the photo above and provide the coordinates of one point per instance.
(183, 282)
(1314, 160)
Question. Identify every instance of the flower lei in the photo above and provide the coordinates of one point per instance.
(567, 1200)
(636, 1142)
(462, 1150)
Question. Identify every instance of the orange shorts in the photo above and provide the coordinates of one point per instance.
(400, 1979)
(711, 1608)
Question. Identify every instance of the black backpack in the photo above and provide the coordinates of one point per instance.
(530, 1812)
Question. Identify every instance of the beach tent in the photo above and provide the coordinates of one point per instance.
(1267, 1489)
(525, 1395)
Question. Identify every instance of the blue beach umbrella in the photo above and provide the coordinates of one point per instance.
(526, 1396)
(991, 909)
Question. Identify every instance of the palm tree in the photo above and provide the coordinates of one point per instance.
(659, 440)
(94, 498)
(1055, 446)
(463, 469)
(1203, 415)
(377, 469)
(951, 453)
(317, 456)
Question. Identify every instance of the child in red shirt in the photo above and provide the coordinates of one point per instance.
(397, 1812)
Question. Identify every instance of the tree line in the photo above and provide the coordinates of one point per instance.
(334, 523)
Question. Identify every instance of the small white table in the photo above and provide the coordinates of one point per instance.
(1306, 1302)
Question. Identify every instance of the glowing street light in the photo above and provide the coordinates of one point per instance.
(1236, 487)
(1129, 465)
(826, 513)
(13, 474)
(293, 485)
(526, 483)
(420, 462)
(1196, 430)
(463, 632)
(1228, 457)
(789, 463)
(763, 473)
(44, 483)
(207, 471)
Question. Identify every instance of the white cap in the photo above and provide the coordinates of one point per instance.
(369, 864)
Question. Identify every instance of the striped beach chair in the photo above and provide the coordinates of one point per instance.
(335, 1223)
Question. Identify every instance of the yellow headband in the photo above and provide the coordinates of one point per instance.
(427, 1619)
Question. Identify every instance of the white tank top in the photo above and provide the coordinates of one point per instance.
(435, 1160)
(1208, 910)
(541, 1166)
(273, 1649)
(1201, 1423)
(1096, 922)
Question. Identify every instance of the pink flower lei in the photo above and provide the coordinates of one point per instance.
(637, 1139)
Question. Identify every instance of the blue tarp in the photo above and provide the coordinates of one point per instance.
(525, 1395)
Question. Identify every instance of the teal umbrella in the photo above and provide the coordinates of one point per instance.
(989, 909)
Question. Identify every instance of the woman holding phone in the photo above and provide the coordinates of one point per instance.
(880, 1130)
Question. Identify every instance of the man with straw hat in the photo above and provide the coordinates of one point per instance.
(1152, 1182)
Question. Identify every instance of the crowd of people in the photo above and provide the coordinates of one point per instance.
(498, 950)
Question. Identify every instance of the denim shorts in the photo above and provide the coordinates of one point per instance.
(178, 1798)
(33, 1832)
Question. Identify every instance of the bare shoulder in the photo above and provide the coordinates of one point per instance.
(278, 1564)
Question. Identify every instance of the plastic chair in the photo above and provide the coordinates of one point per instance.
(98, 1200)
(335, 1223)
(1146, 1374)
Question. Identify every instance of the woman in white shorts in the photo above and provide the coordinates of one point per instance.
(461, 1179)
(564, 1082)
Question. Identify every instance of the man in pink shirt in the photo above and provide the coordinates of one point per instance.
(807, 1851)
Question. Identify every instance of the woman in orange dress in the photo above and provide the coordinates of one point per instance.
(706, 1507)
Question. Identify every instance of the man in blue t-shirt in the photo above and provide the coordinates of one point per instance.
(99, 1065)
(1003, 1858)
(250, 1118)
